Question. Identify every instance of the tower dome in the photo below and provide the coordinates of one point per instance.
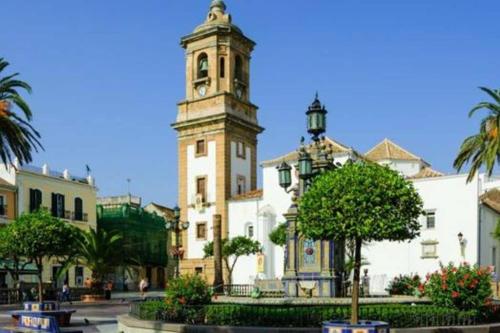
(217, 17)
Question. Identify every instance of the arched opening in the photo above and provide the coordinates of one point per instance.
(222, 67)
(238, 68)
(202, 66)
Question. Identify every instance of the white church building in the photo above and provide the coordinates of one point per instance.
(217, 127)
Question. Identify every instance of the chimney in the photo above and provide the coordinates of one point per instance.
(45, 169)
(66, 174)
(90, 180)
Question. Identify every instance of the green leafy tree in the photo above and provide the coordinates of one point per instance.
(278, 235)
(38, 236)
(17, 137)
(232, 250)
(99, 251)
(482, 148)
(360, 202)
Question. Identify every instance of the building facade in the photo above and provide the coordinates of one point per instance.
(217, 131)
(144, 240)
(73, 199)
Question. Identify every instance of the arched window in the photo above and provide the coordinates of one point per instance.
(202, 66)
(78, 209)
(238, 68)
(222, 68)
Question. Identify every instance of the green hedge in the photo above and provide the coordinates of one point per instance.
(397, 315)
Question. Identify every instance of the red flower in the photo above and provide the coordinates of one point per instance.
(421, 288)
(427, 277)
(455, 294)
(454, 269)
(444, 286)
(461, 283)
(182, 300)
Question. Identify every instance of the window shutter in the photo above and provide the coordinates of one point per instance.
(32, 200)
(63, 210)
(54, 204)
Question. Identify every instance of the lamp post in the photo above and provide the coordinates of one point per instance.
(176, 226)
(312, 160)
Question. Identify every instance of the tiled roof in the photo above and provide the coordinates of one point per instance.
(388, 150)
(427, 172)
(255, 194)
(492, 199)
(337, 148)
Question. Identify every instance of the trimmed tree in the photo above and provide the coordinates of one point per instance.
(38, 236)
(278, 235)
(232, 250)
(360, 202)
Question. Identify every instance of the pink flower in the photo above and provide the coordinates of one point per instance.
(455, 294)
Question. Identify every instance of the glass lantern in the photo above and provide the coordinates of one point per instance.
(305, 165)
(285, 175)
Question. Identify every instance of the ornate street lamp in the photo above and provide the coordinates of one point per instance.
(285, 175)
(316, 119)
(177, 226)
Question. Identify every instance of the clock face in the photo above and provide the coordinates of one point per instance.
(202, 90)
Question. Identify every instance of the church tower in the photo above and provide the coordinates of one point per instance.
(217, 131)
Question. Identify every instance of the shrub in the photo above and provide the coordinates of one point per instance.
(464, 287)
(398, 315)
(185, 297)
(404, 285)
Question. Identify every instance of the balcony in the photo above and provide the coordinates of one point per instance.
(74, 217)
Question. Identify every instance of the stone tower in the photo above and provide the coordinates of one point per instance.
(217, 131)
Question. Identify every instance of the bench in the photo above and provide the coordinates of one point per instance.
(36, 323)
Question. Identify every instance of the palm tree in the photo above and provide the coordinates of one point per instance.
(484, 147)
(17, 137)
(99, 252)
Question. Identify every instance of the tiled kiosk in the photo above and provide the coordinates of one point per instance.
(364, 326)
(36, 323)
(313, 268)
(46, 309)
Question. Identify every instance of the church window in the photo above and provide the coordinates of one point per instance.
(240, 150)
(430, 219)
(201, 231)
(250, 231)
(201, 188)
(201, 149)
(238, 68)
(240, 185)
(202, 66)
(222, 67)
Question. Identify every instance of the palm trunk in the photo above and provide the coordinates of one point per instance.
(355, 282)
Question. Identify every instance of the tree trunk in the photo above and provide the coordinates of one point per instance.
(355, 282)
(40, 286)
(218, 275)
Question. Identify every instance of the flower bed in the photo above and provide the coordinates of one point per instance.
(398, 315)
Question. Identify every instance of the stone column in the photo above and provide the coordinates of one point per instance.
(218, 277)
(290, 278)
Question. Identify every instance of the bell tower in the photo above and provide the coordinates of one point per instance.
(217, 131)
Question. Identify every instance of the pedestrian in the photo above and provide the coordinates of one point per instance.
(87, 284)
(143, 287)
(107, 289)
(65, 293)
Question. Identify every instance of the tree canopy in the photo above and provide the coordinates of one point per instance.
(278, 234)
(233, 248)
(37, 236)
(360, 202)
(482, 148)
(17, 137)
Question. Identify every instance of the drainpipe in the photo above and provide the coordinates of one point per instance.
(478, 221)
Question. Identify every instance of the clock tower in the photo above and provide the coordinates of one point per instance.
(217, 132)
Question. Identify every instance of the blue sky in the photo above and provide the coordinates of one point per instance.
(107, 76)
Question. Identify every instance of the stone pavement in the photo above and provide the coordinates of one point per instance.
(101, 316)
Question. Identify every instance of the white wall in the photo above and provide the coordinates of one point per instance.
(488, 222)
(406, 168)
(240, 167)
(200, 166)
(456, 206)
